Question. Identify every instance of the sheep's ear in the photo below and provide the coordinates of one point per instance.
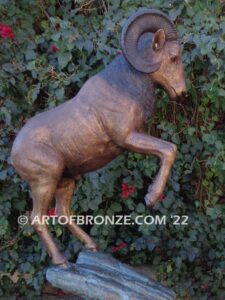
(158, 40)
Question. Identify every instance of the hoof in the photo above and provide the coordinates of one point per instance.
(60, 261)
(93, 250)
(152, 197)
(91, 247)
(148, 202)
(64, 265)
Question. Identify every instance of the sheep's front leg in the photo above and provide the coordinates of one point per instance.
(166, 151)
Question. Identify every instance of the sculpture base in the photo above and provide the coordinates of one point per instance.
(101, 277)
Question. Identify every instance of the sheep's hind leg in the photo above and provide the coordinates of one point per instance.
(42, 194)
(63, 196)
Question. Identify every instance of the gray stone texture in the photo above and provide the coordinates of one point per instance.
(98, 276)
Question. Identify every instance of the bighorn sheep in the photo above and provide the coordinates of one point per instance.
(105, 118)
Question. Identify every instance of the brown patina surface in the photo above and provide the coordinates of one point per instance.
(105, 118)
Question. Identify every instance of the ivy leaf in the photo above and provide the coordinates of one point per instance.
(25, 267)
(88, 45)
(30, 54)
(63, 59)
(7, 67)
(116, 207)
(192, 253)
(167, 202)
(140, 208)
(60, 93)
(3, 175)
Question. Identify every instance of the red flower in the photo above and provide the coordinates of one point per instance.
(125, 194)
(52, 212)
(162, 197)
(114, 249)
(204, 286)
(61, 294)
(6, 32)
(126, 190)
(122, 245)
(54, 48)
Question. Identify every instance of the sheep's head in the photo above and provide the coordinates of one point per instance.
(149, 43)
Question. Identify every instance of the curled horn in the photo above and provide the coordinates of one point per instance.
(145, 21)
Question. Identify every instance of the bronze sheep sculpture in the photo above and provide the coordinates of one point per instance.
(105, 118)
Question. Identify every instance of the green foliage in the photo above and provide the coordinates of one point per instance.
(34, 77)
